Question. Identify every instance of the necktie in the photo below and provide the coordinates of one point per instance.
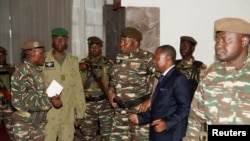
(160, 78)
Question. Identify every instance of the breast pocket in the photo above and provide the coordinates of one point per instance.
(163, 96)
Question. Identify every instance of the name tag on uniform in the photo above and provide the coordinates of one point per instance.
(49, 65)
(134, 65)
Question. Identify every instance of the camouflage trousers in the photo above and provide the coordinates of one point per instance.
(25, 130)
(123, 130)
(98, 116)
(6, 116)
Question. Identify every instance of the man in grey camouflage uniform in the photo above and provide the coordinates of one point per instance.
(28, 94)
(131, 85)
(95, 71)
(222, 96)
(6, 108)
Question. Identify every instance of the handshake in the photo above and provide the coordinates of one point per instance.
(56, 101)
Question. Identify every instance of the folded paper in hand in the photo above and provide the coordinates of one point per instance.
(54, 89)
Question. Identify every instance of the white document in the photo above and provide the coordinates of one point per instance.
(54, 89)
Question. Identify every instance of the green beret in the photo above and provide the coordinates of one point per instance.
(234, 25)
(190, 39)
(94, 40)
(3, 50)
(131, 32)
(31, 44)
(59, 32)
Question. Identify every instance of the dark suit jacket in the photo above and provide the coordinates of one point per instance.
(171, 103)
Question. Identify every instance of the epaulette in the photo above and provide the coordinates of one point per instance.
(197, 64)
(72, 55)
(84, 60)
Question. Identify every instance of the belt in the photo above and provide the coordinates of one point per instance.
(95, 99)
(131, 103)
(4, 72)
(23, 113)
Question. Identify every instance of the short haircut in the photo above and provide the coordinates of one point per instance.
(168, 50)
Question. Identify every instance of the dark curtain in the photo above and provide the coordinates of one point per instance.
(34, 19)
(5, 27)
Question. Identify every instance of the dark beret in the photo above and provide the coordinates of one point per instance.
(94, 40)
(31, 44)
(3, 50)
(59, 32)
(131, 32)
(234, 25)
(190, 39)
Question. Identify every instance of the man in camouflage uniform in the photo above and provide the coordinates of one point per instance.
(98, 110)
(190, 67)
(222, 96)
(63, 67)
(6, 108)
(28, 94)
(131, 85)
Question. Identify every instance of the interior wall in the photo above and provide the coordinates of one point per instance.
(87, 20)
(31, 20)
(195, 18)
(177, 18)
(114, 22)
(146, 20)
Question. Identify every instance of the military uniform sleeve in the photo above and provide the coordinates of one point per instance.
(203, 69)
(80, 104)
(28, 94)
(112, 80)
(196, 116)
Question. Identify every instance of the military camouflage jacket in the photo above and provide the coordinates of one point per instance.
(5, 85)
(28, 88)
(132, 76)
(186, 67)
(222, 97)
(102, 66)
(5, 75)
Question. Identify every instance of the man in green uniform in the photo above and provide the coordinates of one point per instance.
(190, 67)
(28, 94)
(222, 96)
(6, 109)
(132, 79)
(95, 71)
(63, 67)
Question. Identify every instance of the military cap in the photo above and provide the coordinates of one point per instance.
(31, 44)
(235, 25)
(59, 32)
(132, 32)
(94, 40)
(190, 39)
(3, 50)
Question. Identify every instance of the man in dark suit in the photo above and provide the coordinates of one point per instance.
(170, 101)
